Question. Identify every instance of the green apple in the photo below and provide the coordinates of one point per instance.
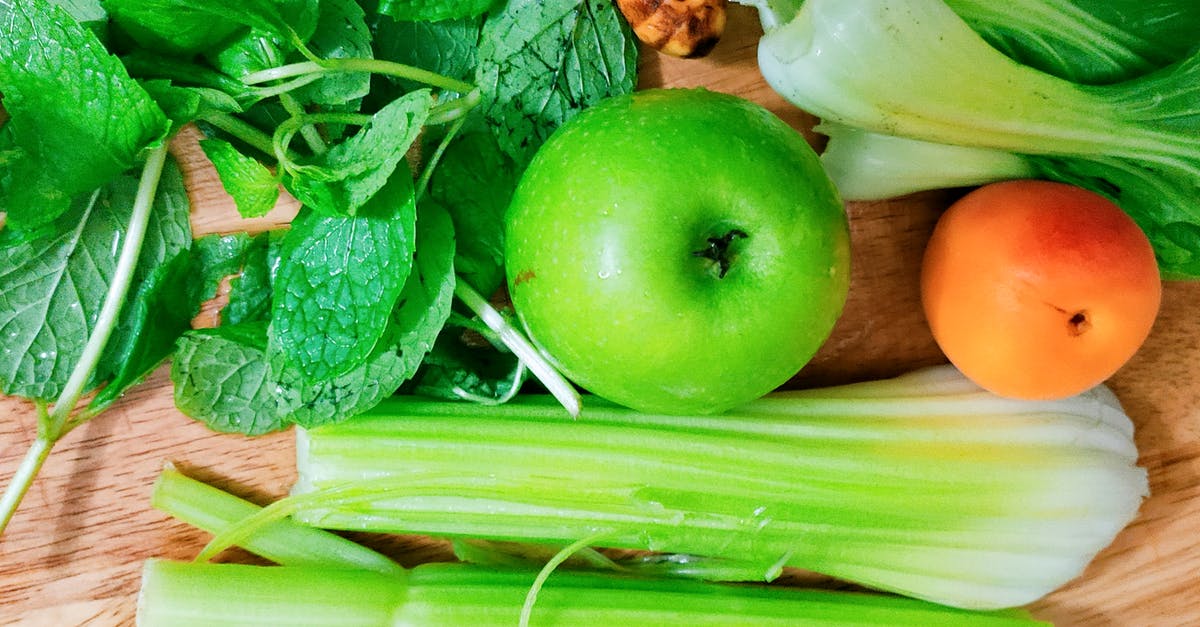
(677, 251)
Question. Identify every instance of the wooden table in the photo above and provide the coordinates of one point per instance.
(73, 554)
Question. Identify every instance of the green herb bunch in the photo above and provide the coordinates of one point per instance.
(400, 126)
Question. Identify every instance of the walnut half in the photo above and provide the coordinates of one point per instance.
(683, 28)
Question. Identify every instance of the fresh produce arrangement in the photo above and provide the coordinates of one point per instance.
(533, 304)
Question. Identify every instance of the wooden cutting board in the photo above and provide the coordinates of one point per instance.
(73, 554)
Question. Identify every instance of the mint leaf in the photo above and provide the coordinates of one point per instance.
(160, 305)
(252, 52)
(347, 176)
(454, 370)
(221, 379)
(166, 27)
(419, 315)
(541, 62)
(53, 286)
(215, 257)
(341, 34)
(254, 188)
(433, 10)
(338, 281)
(77, 116)
(287, 20)
(250, 291)
(158, 314)
(154, 68)
(89, 13)
(474, 181)
(449, 47)
(188, 104)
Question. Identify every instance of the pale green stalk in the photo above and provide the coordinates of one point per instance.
(515, 341)
(873, 166)
(57, 422)
(955, 495)
(283, 542)
(326, 580)
(373, 66)
(181, 594)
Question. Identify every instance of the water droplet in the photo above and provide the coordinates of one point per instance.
(604, 274)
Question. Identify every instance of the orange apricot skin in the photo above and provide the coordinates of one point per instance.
(1037, 289)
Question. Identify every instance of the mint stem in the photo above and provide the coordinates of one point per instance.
(243, 131)
(310, 134)
(512, 337)
(23, 479)
(282, 139)
(373, 66)
(53, 425)
(427, 172)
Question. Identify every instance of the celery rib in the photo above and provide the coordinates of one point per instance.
(181, 594)
(981, 502)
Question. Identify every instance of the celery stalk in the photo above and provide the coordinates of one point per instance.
(923, 485)
(283, 541)
(190, 594)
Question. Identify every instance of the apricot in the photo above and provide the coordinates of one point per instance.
(1038, 290)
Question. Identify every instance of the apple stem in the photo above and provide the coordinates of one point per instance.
(510, 336)
(718, 250)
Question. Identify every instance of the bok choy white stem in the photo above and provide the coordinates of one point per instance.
(923, 485)
(915, 69)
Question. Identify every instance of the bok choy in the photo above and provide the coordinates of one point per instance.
(1086, 41)
(923, 485)
(916, 69)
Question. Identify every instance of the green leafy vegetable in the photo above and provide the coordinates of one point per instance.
(420, 313)
(339, 281)
(60, 100)
(166, 299)
(59, 419)
(346, 177)
(540, 62)
(166, 26)
(250, 291)
(882, 65)
(89, 13)
(182, 105)
(220, 375)
(1087, 41)
(254, 188)
(475, 181)
(341, 33)
(290, 21)
(54, 286)
(433, 10)
(448, 47)
(457, 371)
(221, 379)
(924, 484)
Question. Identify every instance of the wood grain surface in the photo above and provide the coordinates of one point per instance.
(73, 554)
